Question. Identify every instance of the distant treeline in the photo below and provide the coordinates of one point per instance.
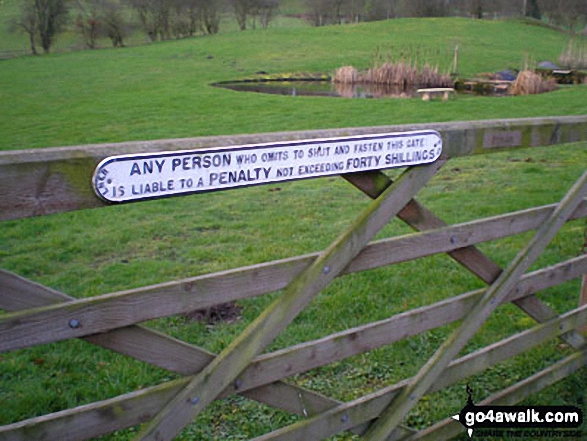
(571, 14)
(42, 20)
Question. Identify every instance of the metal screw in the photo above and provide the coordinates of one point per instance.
(74, 323)
(453, 239)
(195, 400)
(561, 327)
(344, 418)
(238, 383)
(326, 270)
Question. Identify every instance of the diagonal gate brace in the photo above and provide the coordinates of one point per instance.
(225, 368)
(433, 369)
(420, 218)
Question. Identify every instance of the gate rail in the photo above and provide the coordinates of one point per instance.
(39, 182)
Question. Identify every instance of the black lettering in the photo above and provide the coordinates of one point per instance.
(135, 170)
(148, 167)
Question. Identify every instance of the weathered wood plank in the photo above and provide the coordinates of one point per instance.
(135, 341)
(208, 384)
(103, 313)
(449, 239)
(163, 351)
(339, 346)
(583, 297)
(407, 399)
(420, 218)
(449, 428)
(358, 412)
(95, 419)
(44, 181)
(281, 364)
(583, 293)
(541, 312)
(305, 403)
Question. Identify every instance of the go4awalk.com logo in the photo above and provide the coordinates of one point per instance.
(518, 417)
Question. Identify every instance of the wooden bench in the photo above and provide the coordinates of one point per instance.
(430, 93)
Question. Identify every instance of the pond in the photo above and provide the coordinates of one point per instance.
(321, 88)
(330, 89)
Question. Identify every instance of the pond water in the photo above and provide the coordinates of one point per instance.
(321, 88)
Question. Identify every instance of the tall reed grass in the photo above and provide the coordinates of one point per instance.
(400, 73)
(530, 83)
(403, 71)
(575, 55)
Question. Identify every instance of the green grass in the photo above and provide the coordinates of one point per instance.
(162, 91)
(70, 38)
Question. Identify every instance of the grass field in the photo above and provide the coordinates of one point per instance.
(163, 91)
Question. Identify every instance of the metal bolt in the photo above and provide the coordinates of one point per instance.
(453, 239)
(326, 270)
(561, 327)
(195, 400)
(238, 383)
(74, 323)
(344, 418)
(412, 397)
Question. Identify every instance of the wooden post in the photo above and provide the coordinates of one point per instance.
(456, 60)
(423, 381)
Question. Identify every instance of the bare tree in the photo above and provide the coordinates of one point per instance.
(114, 24)
(382, 10)
(568, 13)
(154, 16)
(322, 12)
(88, 21)
(532, 9)
(27, 22)
(318, 11)
(210, 14)
(242, 10)
(51, 16)
(43, 19)
(264, 11)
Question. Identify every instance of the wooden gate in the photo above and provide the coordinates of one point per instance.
(56, 180)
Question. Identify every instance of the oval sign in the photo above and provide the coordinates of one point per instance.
(146, 176)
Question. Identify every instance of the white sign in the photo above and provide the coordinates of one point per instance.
(136, 177)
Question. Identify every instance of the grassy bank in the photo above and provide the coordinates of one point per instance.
(161, 91)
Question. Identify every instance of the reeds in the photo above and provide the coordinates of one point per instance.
(346, 75)
(400, 70)
(400, 73)
(530, 83)
(575, 55)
